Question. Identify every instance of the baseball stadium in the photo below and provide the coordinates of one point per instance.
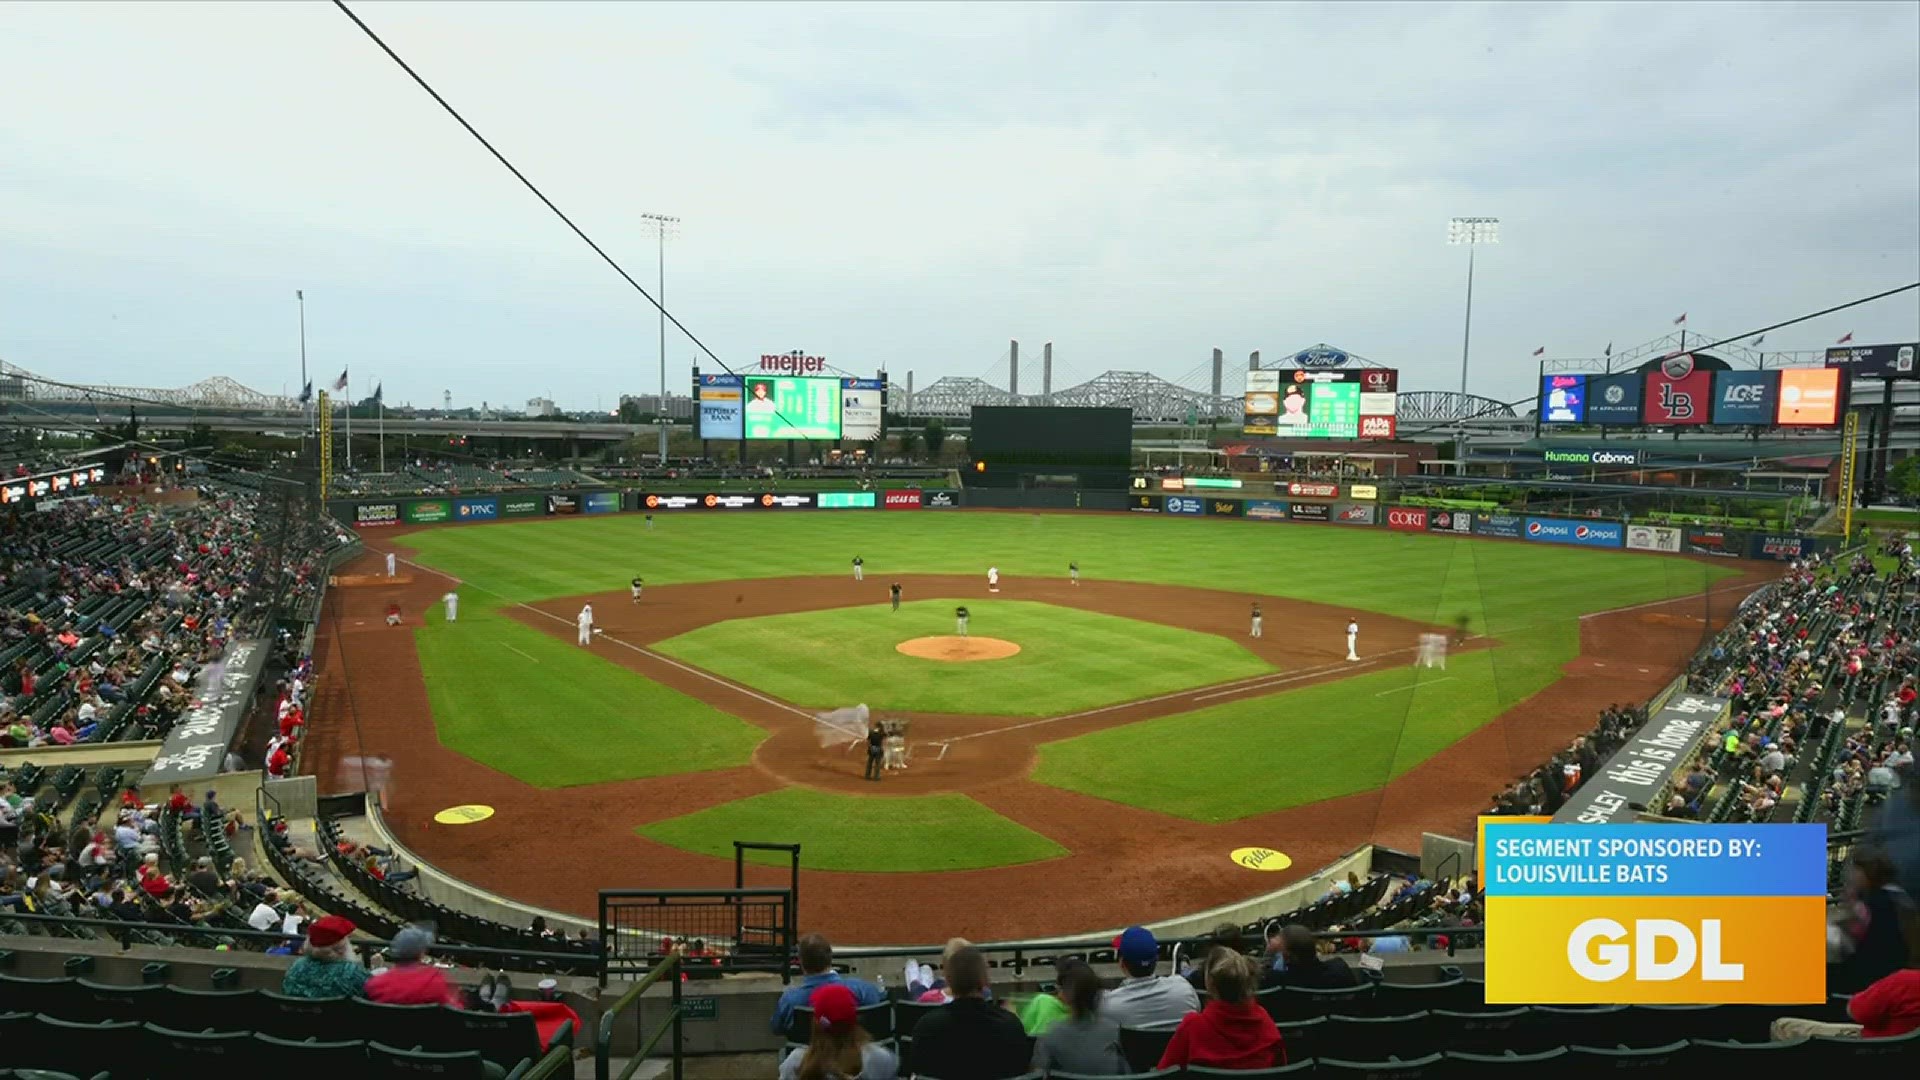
(1301, 715)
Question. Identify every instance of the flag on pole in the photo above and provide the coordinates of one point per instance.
(306, 392)
(1609, 352)
(340, 383)
(1541, 351)
(1755, 343)
(1848, 337)
(299, 294)
(378, 388)
(1682, 320)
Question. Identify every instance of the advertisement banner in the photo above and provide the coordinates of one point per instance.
(1590, 457)
(772, 501)
(563, 504)
(1407, 518)
(601, 502)
(1185, 504)
(1363, 491)
(374, 515)
(1303, 490)
(1653, 538)
(1745, 397)
(1875, 361)
(1261, 405)
(1614, 399)
(1570, 531)
(1681, 914)
(721, 402)
(1810, 397)
(1310, 511)
(1267, 510)
(1508, 526)
(650, 503)
(860, 407)
(725, 502)
(521, 505)
(1727, 545)
(847, 500)
(426, 511)
(1378, 427)
(1144, 504)
(1563, 399)
(902, 500)
(939, 500)
(1637, 772)
(1355, 514)
(1450, 521)
(196, 745)
(1672, 401)
(1782, 548)
(1224, 507)
(476, 509)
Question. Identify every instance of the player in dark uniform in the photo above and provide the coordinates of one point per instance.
(960, 619)
(894, 591)
(637, 584)
(859, 568)
(1460, 630)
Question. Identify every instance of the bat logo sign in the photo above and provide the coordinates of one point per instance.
(1677, 404)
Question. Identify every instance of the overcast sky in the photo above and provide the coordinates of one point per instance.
(909, 187)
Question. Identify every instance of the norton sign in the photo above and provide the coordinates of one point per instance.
(794, 362)
(1590, 457)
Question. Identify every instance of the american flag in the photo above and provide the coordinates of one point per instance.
(1846, 338)
(1541, 351)
(1682, 320)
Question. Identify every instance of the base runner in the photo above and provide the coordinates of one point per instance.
(585, 622)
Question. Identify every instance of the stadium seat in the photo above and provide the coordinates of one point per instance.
(53, 1043)
(1764, 1054)
(1658, 1025)
(1492, 1032)
(877, 1019)
(43, 1074)
(1863, 1052)
(1302, 1038)
(906, 1014)
(167, 1054)
(299, 1018)
(1297, 1068)
(407, 1026)
(1376, 1038)
(1459, 1065)
(391, 1063)
(307, 1057)
(97, 1001)
(1414, 1069)
(506, 1039)
(1157, 1074)
(54, 997)
(1597, 1061)
(1553, 1025)
(1400, 999)
(1144, 1046)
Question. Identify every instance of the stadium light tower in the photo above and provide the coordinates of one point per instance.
(1471, 231)
(663, 227)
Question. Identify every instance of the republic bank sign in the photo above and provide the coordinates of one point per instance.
(1590, 457)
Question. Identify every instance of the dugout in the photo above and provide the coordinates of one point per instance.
(1085, 449)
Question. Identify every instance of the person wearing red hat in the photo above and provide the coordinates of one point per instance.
(327, 967)
(838, 1048)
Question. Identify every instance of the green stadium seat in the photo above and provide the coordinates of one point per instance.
(300, 1018)
(1764, 1054)
(1400, 999)
(906, 1014)
(1675, 1059)
(1485, 1032)
(194, 1055)
(876, 1019)
(1303, 1039)
(1157, 1074)
(43, 1074)
(1658, 1025)
(1144, 1046)
(506, 1039)
(1464, 1066)
(307, 1057)
(406, 1026)
(392, 1063)
(55, 997)
(97, 1001)
(1898, 1051)
(1585, 1025)
(1376, 1038)
(1415, 1069)
(53, 1043)
(1298, 1068)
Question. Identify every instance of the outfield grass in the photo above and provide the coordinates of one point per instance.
(1069, 659)
(852, 832)
(1255, 756)
(555, 715)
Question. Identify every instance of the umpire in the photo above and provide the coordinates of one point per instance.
(875, 742)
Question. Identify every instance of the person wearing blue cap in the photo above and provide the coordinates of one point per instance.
(1143, 998)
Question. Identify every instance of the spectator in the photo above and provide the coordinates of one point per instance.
(1889, 1007)
(934, 988)
(1866, 938)
(816, 970)
(1228, 936)
(327, 968)
(1232, 1032)
(409, 981)
(838, 1048)
(1143, 998)
(1082, 1041)
(1301, 965)
(970, 1037)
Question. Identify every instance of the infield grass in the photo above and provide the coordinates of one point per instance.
(554, 715)
(1069, 659)
(912, 834)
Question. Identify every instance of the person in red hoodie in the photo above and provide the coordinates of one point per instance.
(1232, 1031)
(1889, 1007)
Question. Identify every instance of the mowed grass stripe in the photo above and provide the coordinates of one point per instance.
(554, 715)
(916, 834)
(1069, 659)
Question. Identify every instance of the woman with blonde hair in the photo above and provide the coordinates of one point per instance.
(838, 1048)
(938, 995)
(1232, 1031)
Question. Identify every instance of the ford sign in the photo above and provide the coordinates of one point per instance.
(1320, 356)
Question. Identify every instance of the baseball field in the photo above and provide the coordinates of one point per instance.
(1125, 737)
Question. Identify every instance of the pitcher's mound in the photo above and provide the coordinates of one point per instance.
(958, 649)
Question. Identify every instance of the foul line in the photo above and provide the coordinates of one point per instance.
(1413, 686)
(521, 652)
(1750, 587)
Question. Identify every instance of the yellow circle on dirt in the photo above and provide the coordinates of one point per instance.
(1259, 858)
(464, 815)
(958, 650)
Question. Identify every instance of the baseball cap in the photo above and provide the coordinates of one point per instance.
(329, 930)
(834, 1008)
(1137, 946)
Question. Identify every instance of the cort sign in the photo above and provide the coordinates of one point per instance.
(793, 363)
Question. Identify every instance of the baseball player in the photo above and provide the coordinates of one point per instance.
(859, 568)
(894, 591)
(1433, 651)
(1460, 630)
(960, 617)
(1073, 572)
(993, 579)
(637, 586)
(1255, 631)
(649, 522)
(585, 622)
(1353, 635)
(390, 561)
(452, 600)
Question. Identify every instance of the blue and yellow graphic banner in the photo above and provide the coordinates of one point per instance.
(1582, 914)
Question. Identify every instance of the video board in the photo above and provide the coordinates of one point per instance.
(791, 407)
(1303, 404)
(767, 407)
(1685, 397)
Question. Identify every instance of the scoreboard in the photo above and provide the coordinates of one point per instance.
(1308, 404)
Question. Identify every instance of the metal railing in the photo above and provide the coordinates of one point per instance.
(669, 969)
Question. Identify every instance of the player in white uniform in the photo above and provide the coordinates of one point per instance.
(1255, 632)
(1433, 651)
(1353, 635)
(389, 564)
(993, 579)
(585, 622)
(452, 600)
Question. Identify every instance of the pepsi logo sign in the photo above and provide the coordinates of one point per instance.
(1534, 529)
